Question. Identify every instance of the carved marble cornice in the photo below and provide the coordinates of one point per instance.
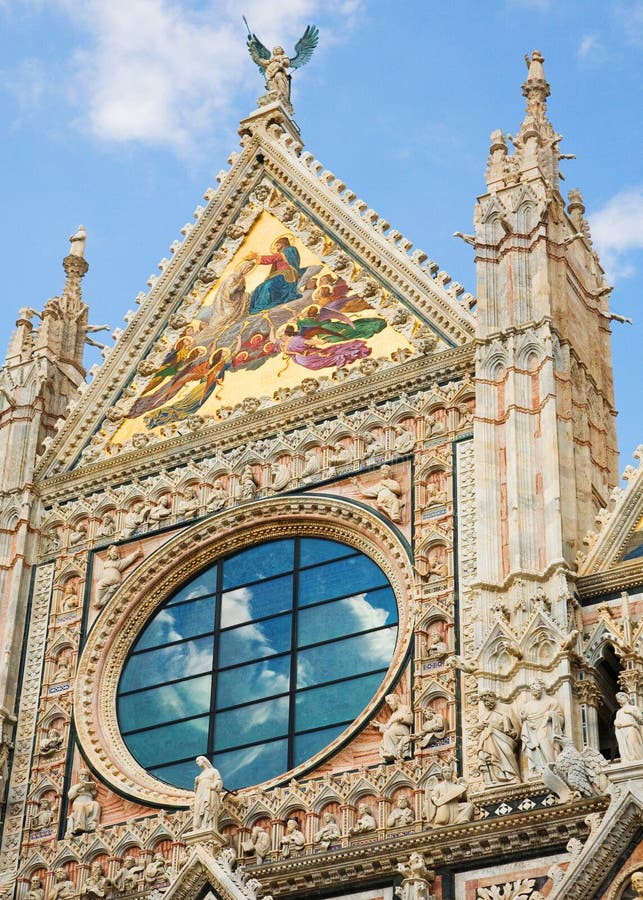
(415, 375)
(624, 576)
(450, 846)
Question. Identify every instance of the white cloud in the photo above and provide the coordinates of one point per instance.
(588, 46)
(163, 72)
(617, 230)
(630, 16)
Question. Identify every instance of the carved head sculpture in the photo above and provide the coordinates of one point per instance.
(489, 699)
(537, 689)
(391, 700)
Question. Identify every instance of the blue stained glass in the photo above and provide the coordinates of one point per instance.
(342, 659)
(252, 765)
(317, 550)
(178, 622)
(255, 641)
(253, 682)
(249, 724)
(350, 615)
(258, 562)
(181, 775)
(167, 664)
(170, 742)
(307, 745)
(215, 672)
(268, 598)
(337, 579)
(203, 584)
(339, 702)
(165, 704)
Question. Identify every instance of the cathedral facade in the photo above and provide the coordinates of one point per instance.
(324, 584)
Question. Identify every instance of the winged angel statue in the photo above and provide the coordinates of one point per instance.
(275, 66)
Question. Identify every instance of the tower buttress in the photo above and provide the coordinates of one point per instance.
(545, 432)
(41, 375)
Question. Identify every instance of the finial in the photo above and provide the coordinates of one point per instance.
(536, 89)
(77, 242)
(275, 65)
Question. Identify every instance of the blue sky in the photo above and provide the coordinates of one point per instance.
(119, 115)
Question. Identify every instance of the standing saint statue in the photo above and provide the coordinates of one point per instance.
(496, 743)
(628, 724)
(275, 65)
(542, 719)
(207, 796)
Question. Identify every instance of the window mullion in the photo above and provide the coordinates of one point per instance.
(215, 659)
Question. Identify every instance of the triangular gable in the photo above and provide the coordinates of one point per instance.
(206, 876)
(619, 543)
(591, 871)
(272, 190)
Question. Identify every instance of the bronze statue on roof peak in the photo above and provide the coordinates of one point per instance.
(275, 65)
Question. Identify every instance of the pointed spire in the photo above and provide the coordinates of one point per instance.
(536, 88)
(75, 266)
(536, 144)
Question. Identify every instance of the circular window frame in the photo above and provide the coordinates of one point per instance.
(118, 626)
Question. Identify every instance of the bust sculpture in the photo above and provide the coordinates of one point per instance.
(434, 728)
(127, 875)
(365, 821)
(36, 890)
(293, 840)
(636, 883)
(401, 815)
(62, 888)
(51, 742)
(328, 832)
(96, 884)
(436, 647)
